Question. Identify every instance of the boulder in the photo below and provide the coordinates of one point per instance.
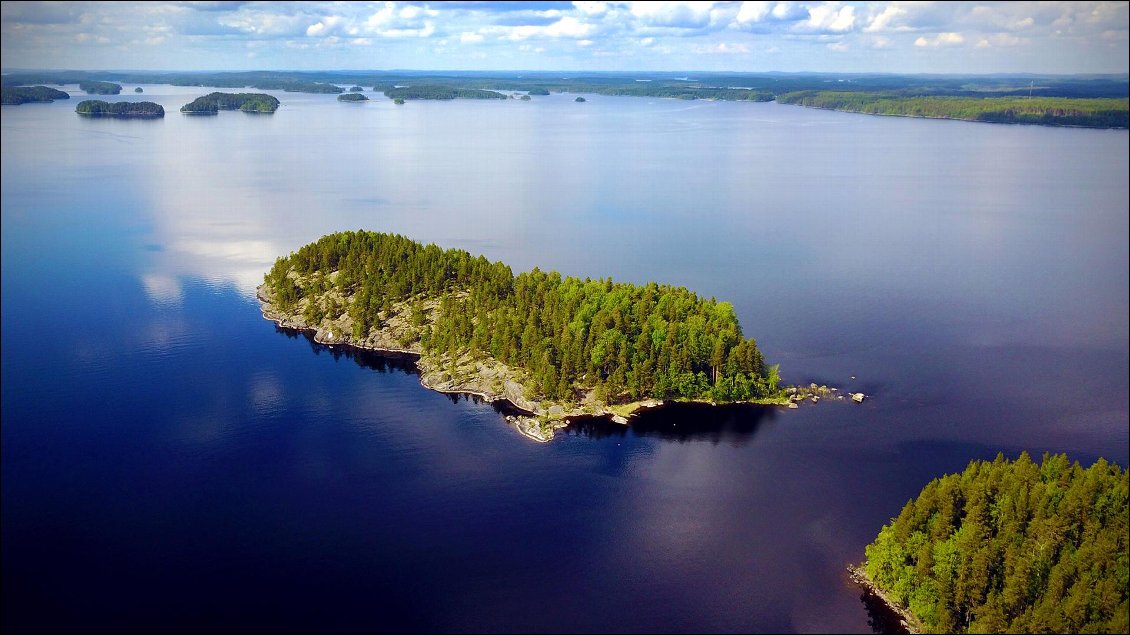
(858, 397)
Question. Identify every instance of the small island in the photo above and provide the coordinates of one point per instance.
(554, 346)
(353, 97)
(1008, 546)
(537, 91)
(580, 100)
(441, 93)
(399, 101)
(120, 109)
(138, 90)
(100, 88)
(212, 103)
(525, 98)
(16, 95)
(356, 89)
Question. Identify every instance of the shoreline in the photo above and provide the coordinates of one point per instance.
(535, 421)
(1004, 123)
(907, 620)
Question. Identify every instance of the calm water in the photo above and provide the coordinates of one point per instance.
(172, 461)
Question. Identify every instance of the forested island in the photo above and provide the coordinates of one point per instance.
(441, 93)
(554, 346)
(355, 97)
(1047, 111)
(139, 89)
(100, 88)
(1009, 546)
(212, 103)
(16, 95)
(120, 109)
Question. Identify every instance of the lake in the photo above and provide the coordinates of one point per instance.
(172, 461)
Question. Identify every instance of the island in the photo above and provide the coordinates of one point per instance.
(354, 97)
(138, 90)
(120, 109)
(16, 95)
(580, 100)
(525, 98)
(554, 346)
(538, 91)
(356, 89)
(212, 103)
(1009, 546)
(399, 101)
(441, 93)
(100, 88)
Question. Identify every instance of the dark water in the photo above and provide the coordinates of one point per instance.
(172, 461)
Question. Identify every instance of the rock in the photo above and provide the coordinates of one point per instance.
(815, 398)
(619, 419)
(858, 397)
(793, 406)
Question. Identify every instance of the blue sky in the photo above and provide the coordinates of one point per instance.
(901, 37)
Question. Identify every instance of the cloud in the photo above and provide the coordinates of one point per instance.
(941, 39)
(839, 47)
(468, 37)
(724, 48)
(830, 17)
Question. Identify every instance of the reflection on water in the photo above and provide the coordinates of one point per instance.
(733, 423)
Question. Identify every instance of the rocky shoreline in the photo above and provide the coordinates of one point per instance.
(487, 379)
(906, 619)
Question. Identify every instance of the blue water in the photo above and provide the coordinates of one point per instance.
(172, 461)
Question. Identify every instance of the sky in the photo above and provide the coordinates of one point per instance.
(895, 37)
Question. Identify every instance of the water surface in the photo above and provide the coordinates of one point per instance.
(173, 461)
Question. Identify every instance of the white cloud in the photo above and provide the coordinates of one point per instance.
(470, 38)
(724, 48)
(839, 47)
(942, 39)
(752, 12)
(831, 17)
(684, 15)
(883, 20)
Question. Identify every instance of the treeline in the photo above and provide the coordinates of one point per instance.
(13, 96)
(440, 92)
(1011, 547)
(138, 109)
(625, 341)
(100, 88)
(1048, 111)
(211, 103)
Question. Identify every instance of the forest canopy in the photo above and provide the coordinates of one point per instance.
(122, 109)
(15, 95)
(100, 88)
(211, 103)
(625, 341)
(1050, 111)
(1011, 547)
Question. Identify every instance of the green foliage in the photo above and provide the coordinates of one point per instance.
(580, 100)
(538, 91)
(441, 92)
(121, 109)
(139, 89)
(626, 341)
(1052, 111)
(12, 96)
(399, 101)
(212, 103)
(1011, 547)
(356, 97)
(100, 88)
(356, 89)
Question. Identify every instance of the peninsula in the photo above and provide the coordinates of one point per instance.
(212, 103)
(555, 347)
(120, 109)
(15, 95)
(1008, 546)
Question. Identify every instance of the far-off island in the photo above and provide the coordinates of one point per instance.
(554, 346)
